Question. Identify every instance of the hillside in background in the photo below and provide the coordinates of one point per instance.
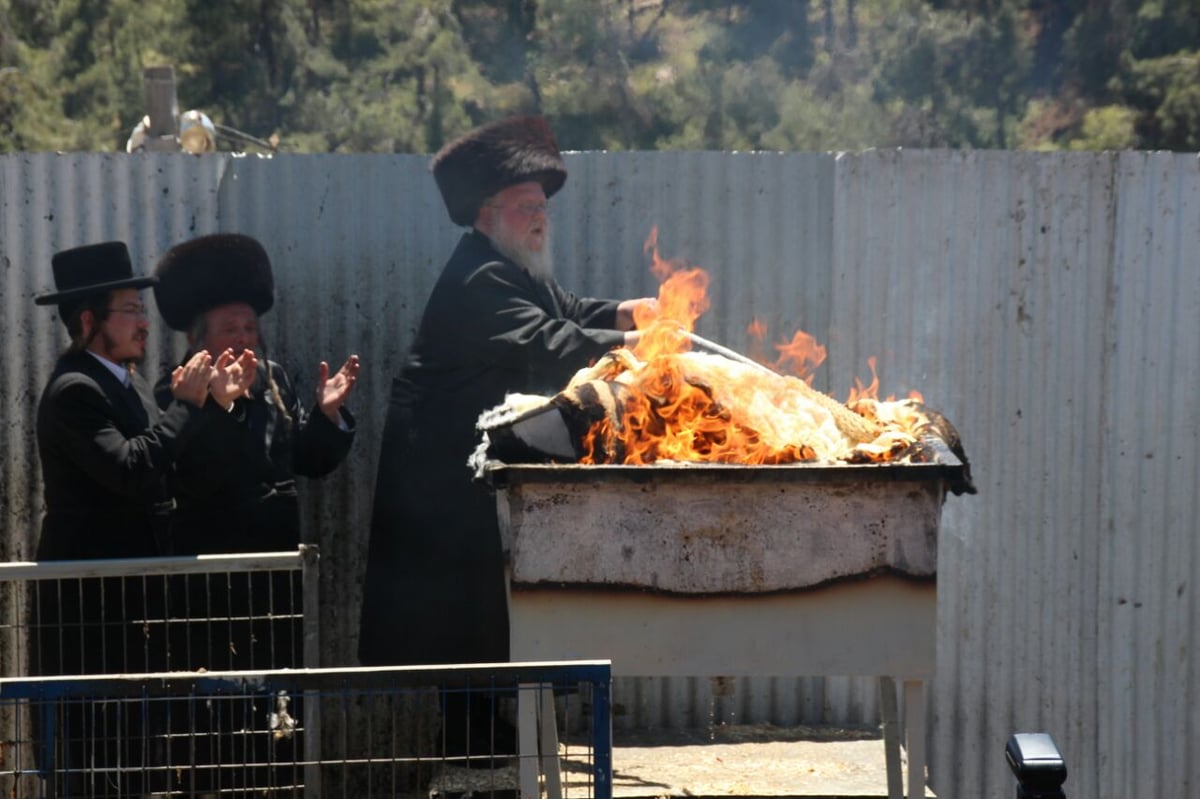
(407, 75)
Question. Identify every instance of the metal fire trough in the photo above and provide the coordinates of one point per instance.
(727, 570)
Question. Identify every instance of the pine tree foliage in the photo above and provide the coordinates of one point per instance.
(408, 75)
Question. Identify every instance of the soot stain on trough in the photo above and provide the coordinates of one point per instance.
(551, 501)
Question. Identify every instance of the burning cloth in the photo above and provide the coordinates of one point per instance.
(663, 402)
(698, 407)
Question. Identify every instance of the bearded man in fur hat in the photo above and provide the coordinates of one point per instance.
(214, 288)
(496, 322)
(235, 490)
(107, 452)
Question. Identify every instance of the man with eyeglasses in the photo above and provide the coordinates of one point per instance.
(496, 322)
(106, 452)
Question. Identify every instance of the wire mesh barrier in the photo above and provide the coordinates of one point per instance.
(138, 615)
(433, 732)
(142, 615)
(181, 677)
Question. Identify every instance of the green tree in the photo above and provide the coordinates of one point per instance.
(1111, 127)
(753, 30)
(1165, 93)
(953, 78)
(499, 36)
(72, 75)
(399, 79)
(583, 69)
(241, 60)
(407, 75)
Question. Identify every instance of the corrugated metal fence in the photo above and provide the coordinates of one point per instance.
(1049, 304)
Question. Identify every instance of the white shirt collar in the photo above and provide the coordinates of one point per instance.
(119, 371)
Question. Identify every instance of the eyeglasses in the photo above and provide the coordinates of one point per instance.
(526, 209)
(134, 310)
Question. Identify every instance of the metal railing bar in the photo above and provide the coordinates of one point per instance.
(150, 567)
(356, 679)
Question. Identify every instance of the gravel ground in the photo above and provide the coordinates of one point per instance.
(752, 761)
(732, 760)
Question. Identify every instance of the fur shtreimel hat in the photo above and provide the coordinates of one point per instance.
(209, 271)
(493, 157)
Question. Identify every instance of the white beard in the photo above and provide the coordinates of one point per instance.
(539, 264)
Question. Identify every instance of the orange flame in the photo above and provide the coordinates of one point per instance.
(706, 408)
(757, 332)
(672, 404)
(682, 299)
(870, 391)
(802, 355)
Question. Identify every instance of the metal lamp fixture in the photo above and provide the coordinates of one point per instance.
(197, 134)
(137, 138)
(164, 129)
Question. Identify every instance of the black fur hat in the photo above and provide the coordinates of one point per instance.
(209, 271)
(493, 157)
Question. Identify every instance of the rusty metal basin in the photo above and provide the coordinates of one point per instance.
(687, 529)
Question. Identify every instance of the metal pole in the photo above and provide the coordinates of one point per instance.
(310, 558)
(162, 106)
(602, 738)
(705, 345)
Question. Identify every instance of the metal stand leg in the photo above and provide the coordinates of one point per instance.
(914, 734)
(548, 721)
(890, 716)
(527, 745)
(537, 740)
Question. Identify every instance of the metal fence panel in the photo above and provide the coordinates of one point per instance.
(206, 613)
(203, 612)
(316, 732)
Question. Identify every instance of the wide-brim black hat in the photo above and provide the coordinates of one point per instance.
(472, 168)
(92, 269)
(203, 273)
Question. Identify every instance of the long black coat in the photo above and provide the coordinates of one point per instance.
(235, 491)
(434, 588)
(106, 453)
(106, 456)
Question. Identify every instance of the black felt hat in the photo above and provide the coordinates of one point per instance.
(209, 271)
(493, 157)
(89, 270)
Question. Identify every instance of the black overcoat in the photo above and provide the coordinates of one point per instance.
(106, 453)
(434, 589)
(235, 491)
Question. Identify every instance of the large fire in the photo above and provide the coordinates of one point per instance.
(663, 401)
